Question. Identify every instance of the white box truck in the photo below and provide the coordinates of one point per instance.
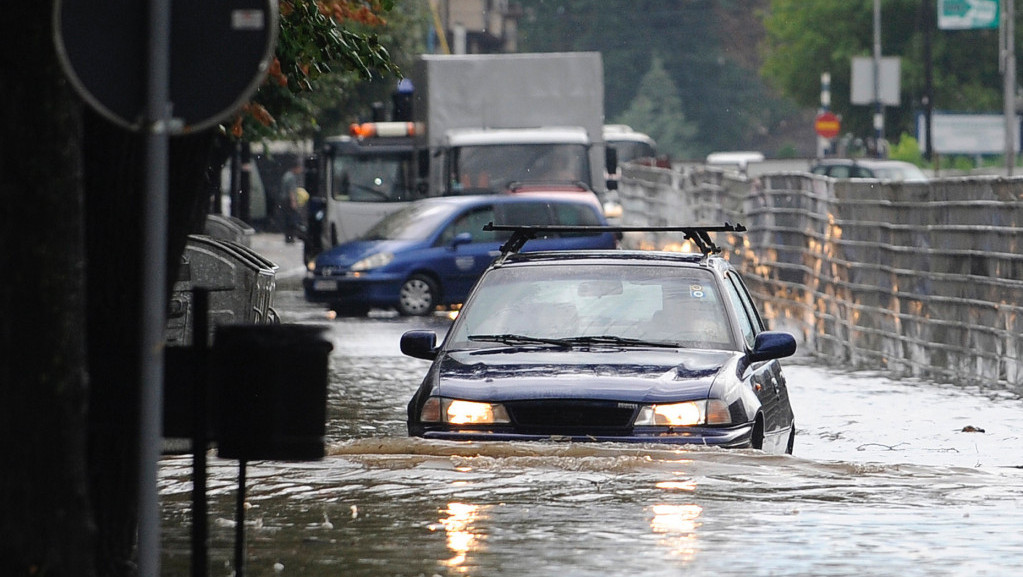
(487, 123)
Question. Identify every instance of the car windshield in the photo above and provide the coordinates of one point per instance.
(495, 167)
(415, 222)
(583, 305)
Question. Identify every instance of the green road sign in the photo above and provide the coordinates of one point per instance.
(967, 14)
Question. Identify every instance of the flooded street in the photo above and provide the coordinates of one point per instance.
(884, 481)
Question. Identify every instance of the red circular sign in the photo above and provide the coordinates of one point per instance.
(827, 125)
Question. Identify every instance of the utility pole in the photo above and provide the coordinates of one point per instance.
(1008, 61)
(879, 110)
(927, 24)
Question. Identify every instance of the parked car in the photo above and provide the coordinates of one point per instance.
(625, 346)
(868, 168)
(432, 252)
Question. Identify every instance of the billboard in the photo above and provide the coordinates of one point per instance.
(966, 133)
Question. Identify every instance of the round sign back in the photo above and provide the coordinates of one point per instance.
(219, 53)
(827, 125)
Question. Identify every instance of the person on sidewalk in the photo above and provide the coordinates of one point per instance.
(290, 201)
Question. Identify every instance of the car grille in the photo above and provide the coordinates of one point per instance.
(571, 417)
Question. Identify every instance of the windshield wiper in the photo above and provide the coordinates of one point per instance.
(511, 339)
(615, 340)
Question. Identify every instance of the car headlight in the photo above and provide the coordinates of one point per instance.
(705, 412)
(373, 261)
(458, 412)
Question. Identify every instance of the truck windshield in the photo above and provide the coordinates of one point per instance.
(371, 177)
(632, 149)
(492, 168)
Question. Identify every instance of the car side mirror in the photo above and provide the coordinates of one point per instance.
(772, 345)
(461, 238)
(420, 344)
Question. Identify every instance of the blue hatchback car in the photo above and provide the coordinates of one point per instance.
(432, 252)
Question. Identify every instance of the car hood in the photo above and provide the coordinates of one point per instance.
(349, 253)
(636, 375)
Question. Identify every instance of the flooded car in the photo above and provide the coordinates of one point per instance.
(625, 346)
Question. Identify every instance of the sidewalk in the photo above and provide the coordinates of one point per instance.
(288, 258)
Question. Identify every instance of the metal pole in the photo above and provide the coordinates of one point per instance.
(927, 25)
(153, 318)
(200, 401)
(1009, 86)
(879, 110)
(239, 517)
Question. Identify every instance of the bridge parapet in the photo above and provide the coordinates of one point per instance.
(921, 278)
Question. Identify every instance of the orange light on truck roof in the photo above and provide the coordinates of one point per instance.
(382, 129)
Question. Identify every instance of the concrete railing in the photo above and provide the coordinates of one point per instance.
(924, 279)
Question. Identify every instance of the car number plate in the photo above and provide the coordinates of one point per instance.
(324, 285)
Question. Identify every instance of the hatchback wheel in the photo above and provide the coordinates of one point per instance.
(418, 296)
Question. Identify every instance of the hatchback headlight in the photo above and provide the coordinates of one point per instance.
(705, 412)
(458, 412)
(373, 261)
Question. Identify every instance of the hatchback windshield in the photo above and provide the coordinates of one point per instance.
(415, 222)
(587, 305)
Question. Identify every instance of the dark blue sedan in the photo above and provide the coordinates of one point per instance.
(431, 253)
(626, 346)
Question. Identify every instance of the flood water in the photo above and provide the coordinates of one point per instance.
(884, 481)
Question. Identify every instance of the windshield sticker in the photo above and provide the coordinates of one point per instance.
(696, 291)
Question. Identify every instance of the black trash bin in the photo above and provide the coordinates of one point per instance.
(271, 389)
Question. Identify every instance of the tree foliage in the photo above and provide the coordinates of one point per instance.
(708, 50)
(325, 49)
(808, 37)
(657, 99)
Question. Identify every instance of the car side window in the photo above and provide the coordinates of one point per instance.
(860, 172)
(471, 222)
(758, 322)
(523, 214)
(748, 323)
(839, 172)
(575, 215)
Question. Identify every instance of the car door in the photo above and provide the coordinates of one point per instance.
(464, 250)
(764, 377)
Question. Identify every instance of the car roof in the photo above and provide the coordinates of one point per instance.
(868, 162)
(533, 197)
(610, 257)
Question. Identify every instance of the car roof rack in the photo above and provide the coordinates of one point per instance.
(698, 234)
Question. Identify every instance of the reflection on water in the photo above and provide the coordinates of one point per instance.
(678, 524)
(883, 482)
(460, 528)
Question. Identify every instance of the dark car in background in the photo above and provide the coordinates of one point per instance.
(626, 346)
(432, 252)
